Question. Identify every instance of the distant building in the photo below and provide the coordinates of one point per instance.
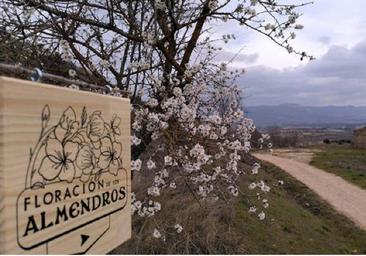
(359, 138)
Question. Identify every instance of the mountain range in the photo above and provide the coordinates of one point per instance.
(293, 114)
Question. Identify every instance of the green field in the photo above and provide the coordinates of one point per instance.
(344, 161)
(297, 222)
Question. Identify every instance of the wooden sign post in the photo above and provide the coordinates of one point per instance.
(64, 170)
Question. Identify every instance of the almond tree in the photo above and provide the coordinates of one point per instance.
(160, 50)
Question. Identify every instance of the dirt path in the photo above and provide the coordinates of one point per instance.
(342, 195)
(299, 154)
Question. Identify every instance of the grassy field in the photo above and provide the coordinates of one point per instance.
(297, 221)
(344, 161)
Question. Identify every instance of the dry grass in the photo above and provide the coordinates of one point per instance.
(297, 221)
(207, 226)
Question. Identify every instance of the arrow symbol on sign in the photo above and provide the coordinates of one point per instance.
(83, 239)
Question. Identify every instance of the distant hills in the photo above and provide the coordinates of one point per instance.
(296, 115)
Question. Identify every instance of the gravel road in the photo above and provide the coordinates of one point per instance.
(342, 195)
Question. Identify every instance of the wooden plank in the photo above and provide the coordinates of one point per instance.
(64, 170)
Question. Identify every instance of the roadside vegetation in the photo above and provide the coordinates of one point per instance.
(344, 161)
(297, 221)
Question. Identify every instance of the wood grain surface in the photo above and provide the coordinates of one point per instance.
(64, 170)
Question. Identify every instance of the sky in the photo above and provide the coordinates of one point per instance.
(334, 33)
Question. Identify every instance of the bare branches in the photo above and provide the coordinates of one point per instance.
(195, 35)
(120, 41)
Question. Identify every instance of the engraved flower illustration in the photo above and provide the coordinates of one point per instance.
(86, 161)
(96, 128)
(59, 160)
(115, 124)
(74, 148)
(110, 155)
(67, 125)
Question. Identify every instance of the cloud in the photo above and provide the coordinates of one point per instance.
(325, 40)
(341, 62)
(237, 57)
(327, 22)
(336, 78)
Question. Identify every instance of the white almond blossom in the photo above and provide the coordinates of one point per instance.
(252, 209)
(252, 186)
(168, 160)
(136, 165)
(178, 228)
(256, 168)
(262, 215)
(150, 164)
(156, 234)
(135, 141)
(173, 185)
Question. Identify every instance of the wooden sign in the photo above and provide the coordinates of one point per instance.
(64, 170)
